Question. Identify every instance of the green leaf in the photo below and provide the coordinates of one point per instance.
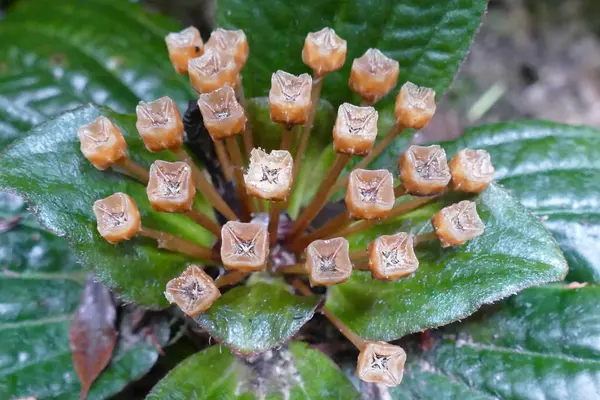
(294, 373)
(429, 38)
(257, 317)
(40, 287)
(515, 252)
(61, 186)
(542, 343)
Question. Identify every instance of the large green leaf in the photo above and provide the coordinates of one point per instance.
(39, 291)
(257, 317)
(47, 168)
(542, 343)
(515, 252)
(294, 373)
(429, 38)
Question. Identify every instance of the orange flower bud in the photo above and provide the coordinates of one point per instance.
(424, 170)
(118, 217)
(381, 362)
(102, 143)
(289, 98)
(457, 224)
(328, 262)
(245, 246)
(193, 291)
(472, 170)
(183, 46)
(324, 51)
(211, 71)
(370, 194)
(269, 175)
(159, 124)
(355, 129)
(223, 115)
(171, 188)
(415, 106)
(233, 43)
(373, 75)
(392, 256)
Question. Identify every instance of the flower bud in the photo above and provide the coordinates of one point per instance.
(424, 170)
(183, 46)
(355, 130)
(328, 262)
(233, 43)
(171, 188)
(381, 362)
(245, 246)
(324, 51)
(289, 98)
(472, 170)
(415, 106)
(223, 115)
(102, 143)
(193, 291)
(269, 175)
(370, 194)
(159, 124)
(117, 217)
(392, 256)
(211, 71)
(373, 75)
(457, 224)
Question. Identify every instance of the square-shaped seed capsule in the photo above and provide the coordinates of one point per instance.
(245, 246)
(328, 262)
(212, 70)
(193, 291)
(159, 124)
(457, 224)
(233, 43)
(117, 217)
(183, 46)
(355, 129)
(370, 194)
(472, 170)
(223, 115)
(324, 51)
(415, 106)
(171, 188)
(424, 170)
(373, 75)
(289, 98)
(269, 175)
(381, 362)
(102, 143)
(392, 256)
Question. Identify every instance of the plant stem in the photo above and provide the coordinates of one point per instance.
(335, 321)
(205, 187)
(247, 135)
(204, 222)
(287, 137)
(173, 243)
(224, 160)
(359, 254)
(425, 237)
(379, 147)
(134, 169)
(399, 191)
(231, 278)
(236, 158)
(321, 197)
(328, 230)
(274, 210)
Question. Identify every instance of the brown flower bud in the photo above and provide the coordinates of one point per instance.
(118, 217)
(245, 246)
(415, 106)
(183, 46)
(355, 129)
(193, 291)
(324, 51)
(424, 170)
(373, 75)
(269, 175)
(233, 43)
(213, 70)
(159, 124)
(370, 194)
(289, 98)
(381, 362)
(472, 170)
(223, 115)
(171, 188)
(457, 224)
(392, 256)
(102, 143)
(328, 262)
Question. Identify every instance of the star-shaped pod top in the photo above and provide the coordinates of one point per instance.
(212, 70)
(328, 262)
(355, 129)
(231, 42)
(245, 246)
(373, 75)
(472, 170)
(269, 175)
(117, 217)
(381, 362)
(171, 187)
(457, 224)
(193, 291)
(159, 124)
(370, 194)
(415, 106)
(324, 51)
(183, 46)
(102, 143)
(223, 115)
(289, 98)
(424, 170)
(392, 256)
